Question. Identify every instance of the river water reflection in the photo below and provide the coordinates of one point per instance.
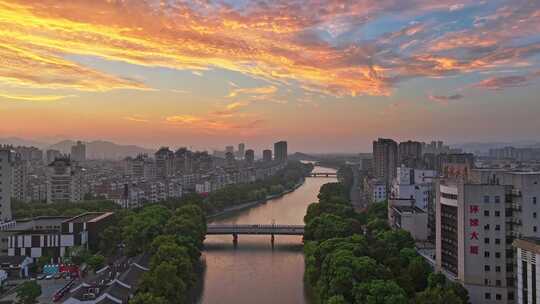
(254, 272)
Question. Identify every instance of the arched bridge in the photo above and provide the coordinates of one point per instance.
(323, 174)
(271, 230)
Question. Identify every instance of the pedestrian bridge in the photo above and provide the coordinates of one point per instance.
(271, 230)
(323, 174)
(255, 229)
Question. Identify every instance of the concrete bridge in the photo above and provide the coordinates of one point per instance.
(271, 230)
(323, 174)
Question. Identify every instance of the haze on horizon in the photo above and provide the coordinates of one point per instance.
(325, 75)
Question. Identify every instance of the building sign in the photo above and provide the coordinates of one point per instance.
(474, 223)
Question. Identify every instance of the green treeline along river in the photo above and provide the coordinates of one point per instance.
(253, 272)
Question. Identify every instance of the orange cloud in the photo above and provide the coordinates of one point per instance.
(253, 91)
(39, 98)
(136, 118)
(504, 82)
(271, 41)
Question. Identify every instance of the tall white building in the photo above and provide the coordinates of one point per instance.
(6, 159)
(78, 152)
(528, 270)
(477, 219)
(414, 184)
(64, 181)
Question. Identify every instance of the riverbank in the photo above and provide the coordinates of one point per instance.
(253, 271)
(248, 205)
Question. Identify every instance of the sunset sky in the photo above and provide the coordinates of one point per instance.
(325, 75)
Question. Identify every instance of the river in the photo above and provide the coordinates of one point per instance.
(253, 272)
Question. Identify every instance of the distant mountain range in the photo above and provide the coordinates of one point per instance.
(97, 149)
(484, 147)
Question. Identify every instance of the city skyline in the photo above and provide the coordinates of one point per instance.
(327, 76)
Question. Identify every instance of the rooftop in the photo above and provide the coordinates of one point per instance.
(528, 243)
(89, 217)
(408, 209)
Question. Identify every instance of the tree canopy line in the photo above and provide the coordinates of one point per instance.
(285, 179)
(358, 258)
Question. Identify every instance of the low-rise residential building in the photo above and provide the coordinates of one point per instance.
(375, 190)
(403, 214)
(53, 236)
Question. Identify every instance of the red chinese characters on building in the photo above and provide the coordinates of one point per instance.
(474, 223)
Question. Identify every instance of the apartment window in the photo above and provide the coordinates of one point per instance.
(510, 296)
(498, 255)
(534, 228)
(498, 282)
(498, 241)
(498, 297)
(497, 268)
(497, 213)
(534, 200)
(486, 254)
(486, 240)
(497, 227)
(486, 212)
(486, 199)
(497, 199)
(487, 268)
(534, 214)
(487, 296)
(486, 227)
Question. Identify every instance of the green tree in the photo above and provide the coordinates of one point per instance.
(337, 300)
(28, 292)
(109, 239)
(163, 280)
(438, 295)
(147, 298)
(95, 261)
(379, 292)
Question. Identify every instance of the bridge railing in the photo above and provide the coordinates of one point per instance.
(254, 226)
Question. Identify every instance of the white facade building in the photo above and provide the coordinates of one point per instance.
(414, 184)
(528, 270)
(64, 181)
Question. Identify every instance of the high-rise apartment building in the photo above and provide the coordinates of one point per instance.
(19, 181)
(385, 159)
(51, 155)
(250, 156)
(241, 150)
(477, 219)
(64, 181)
(6, 159)
(410, 154)
(31, 154)
(280, 151)
(164, 162)
(267, 155)
(78, 152)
